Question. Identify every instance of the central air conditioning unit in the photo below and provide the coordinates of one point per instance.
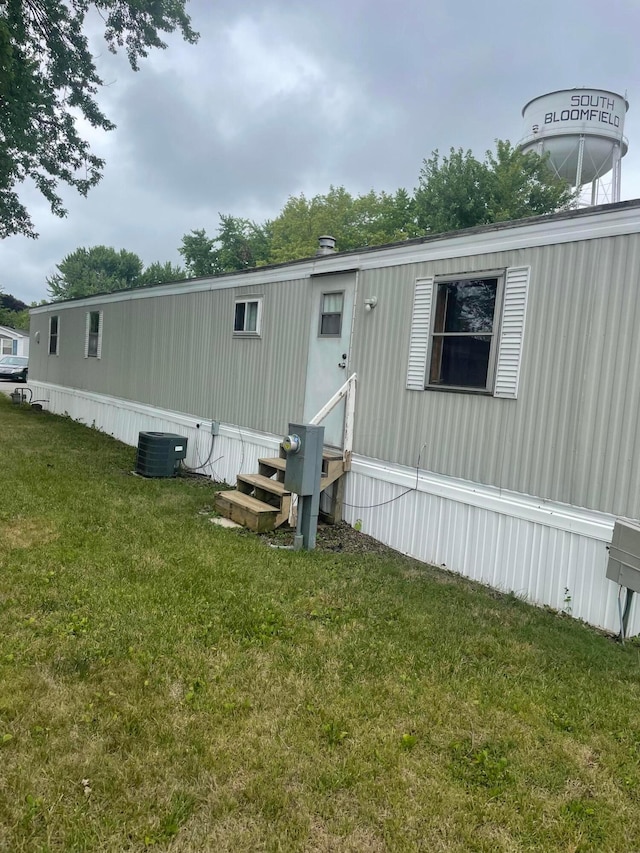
(159, 454)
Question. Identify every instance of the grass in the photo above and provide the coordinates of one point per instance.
(166, 684)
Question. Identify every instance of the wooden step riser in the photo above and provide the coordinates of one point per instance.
(258, 522)
(266, 497)
(269, 471)
(332, 469)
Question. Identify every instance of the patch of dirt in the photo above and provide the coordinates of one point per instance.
(339, 537)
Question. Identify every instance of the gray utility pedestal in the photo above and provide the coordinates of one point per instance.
(624, 564)
(303, 471)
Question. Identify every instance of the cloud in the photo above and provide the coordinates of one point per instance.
(279, 98)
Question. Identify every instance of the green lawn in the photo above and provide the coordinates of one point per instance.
(171, 685)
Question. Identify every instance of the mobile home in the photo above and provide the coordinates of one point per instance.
(496, 418)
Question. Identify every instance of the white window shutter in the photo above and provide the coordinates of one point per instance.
(516, 287)
(420, 329)
(86, 336)
(99, 350)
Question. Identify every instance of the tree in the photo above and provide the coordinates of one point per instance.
(355, 222)
(100, 269)
(13, 312)
(199, 253)
(242, 243)
(48, 80)
(524, 185)
(10, 303)
(239, 244)
(157, 273)
(452, 193)
(459, 191)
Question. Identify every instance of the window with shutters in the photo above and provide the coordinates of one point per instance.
(467, 332)
(93, 335)
(464, 333)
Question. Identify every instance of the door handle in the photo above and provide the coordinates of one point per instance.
(342, 364)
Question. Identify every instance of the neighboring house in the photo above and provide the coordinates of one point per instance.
(13, 341)
(497, 417)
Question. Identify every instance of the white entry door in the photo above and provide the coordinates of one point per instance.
(329, 349)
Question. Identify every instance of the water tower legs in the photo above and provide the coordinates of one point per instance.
(616, 176)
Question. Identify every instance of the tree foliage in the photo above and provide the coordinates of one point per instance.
(48, 80)
(524, 184)
(454, 192)
(239, 244)
(158, 273)
(13, 312)
(199, 253)
(15, 319)
(355, 222)
(100, 269)
(460, 191)
(103, 269)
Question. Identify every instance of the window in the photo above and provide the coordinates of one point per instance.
(463, 340)
(6, 346)
(247, 317)
(467, 332)
(331, 305)
(54, 326)
(93, 340)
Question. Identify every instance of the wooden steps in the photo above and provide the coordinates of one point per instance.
(261, 502)
(247, 511)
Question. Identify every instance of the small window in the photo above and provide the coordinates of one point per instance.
(54, 325)
(331, 314)
(464, 336)
(93, 343)
(6, 346)
(247, 317)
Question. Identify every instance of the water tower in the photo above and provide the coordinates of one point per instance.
(582, 131)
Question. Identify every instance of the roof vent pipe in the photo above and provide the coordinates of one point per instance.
(326, 246)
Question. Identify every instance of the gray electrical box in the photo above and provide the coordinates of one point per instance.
(304, 459)
(624, 555)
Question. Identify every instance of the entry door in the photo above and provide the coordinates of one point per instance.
(329, 349)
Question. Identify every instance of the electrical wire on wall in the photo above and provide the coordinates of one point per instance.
(397, 497)
(207, 461)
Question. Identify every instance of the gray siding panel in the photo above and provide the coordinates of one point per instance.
(573, 433)
(178, 352)
(571, 436)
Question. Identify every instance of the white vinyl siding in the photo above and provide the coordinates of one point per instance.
(420, 330)
(512, 332)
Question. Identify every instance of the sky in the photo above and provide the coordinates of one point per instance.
(281, 97)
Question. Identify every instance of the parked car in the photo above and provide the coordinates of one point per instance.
(14, 368)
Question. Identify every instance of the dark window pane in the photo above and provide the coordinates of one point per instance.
(466, 306)
(238, 325)
(53, 344)
(92, 349)
(330, 324)
(462, 362)
(94, 322)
